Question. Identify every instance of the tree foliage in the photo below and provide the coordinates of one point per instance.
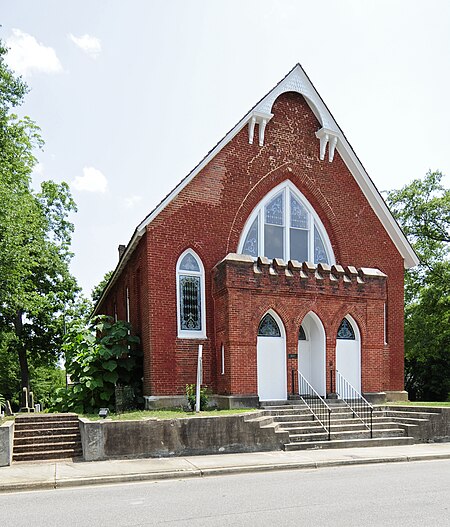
(37, 291)
(98, 289)
(423, 210)
(99, 356)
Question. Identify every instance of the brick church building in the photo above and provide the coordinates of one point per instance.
(278, 255)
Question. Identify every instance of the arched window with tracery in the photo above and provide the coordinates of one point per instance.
(346, 331)
(268, 327)
(284, 225)
(191, 296)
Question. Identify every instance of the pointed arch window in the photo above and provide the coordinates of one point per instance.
(284, 225)
(345, 331)
(302, 334)
(190, 296)
(268, 327)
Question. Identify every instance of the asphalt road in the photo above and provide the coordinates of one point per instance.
(409, 494)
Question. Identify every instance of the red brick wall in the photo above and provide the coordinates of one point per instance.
(208, 215)
(292, 296)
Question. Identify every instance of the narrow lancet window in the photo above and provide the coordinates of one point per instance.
(191, 297)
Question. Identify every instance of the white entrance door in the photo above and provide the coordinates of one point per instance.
(311, 352)
(348, 352)
(271, 360)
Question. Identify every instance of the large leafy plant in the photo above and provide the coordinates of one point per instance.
(98, 357)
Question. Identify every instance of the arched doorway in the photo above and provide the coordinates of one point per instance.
(311, 352)
(271, 359)
(348, 352)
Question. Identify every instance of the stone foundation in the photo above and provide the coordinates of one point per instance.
(158, 402)
(396, 395)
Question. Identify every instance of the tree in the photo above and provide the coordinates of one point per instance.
(423, 210)
(98, 289)
(37, 291)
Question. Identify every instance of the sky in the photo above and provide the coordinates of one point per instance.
(131, 95)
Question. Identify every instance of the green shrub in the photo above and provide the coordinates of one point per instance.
(99, 357)
(191, 397)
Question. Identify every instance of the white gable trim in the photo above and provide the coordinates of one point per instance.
(296, 80)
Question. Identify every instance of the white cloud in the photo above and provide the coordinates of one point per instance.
(131, 201)
(26, 55)
(90, 45)
(92, 180)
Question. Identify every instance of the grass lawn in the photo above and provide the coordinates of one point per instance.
(174, 413)
(420, 403)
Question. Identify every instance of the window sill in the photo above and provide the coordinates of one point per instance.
(190, 336)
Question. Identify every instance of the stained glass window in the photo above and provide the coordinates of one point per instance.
(190, 300)
(251, 240)
(274, 228)
(320, 254)
(302, 334)
(299, 214)
(284, 225)
(268, 327)
(189, 263)
(345, 331)
(275, 210)
(190, 280)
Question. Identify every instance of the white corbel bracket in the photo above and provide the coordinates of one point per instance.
(329, 137)
(262, 119)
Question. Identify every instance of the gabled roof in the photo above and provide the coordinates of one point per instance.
(330, 134)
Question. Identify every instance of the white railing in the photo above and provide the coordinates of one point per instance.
(318, 407)
(360, 407)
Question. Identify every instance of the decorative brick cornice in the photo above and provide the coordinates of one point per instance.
(238, 271)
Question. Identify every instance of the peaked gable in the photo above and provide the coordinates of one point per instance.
(330, 138)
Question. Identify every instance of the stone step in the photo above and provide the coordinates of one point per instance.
(69, 453)
(287, 412)
(44, 425)
(354, 434)
(413, 409)
(285, 407)
(347, 427)
(417, 415)
(407, 420)
(264, 404)
(46, 447)
(46, 436)
(336, 415)
(349, 443)
(35, 418)
(46, 431)
(293, 419)
(45, 439)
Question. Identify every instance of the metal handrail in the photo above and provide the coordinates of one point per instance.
(319, 408)
(357, 403)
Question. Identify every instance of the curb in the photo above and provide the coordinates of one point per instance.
(219, 471)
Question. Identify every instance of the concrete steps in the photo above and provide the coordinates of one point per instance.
(46, 437)
(346, 429)
(338, 443)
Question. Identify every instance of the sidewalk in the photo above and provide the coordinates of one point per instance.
(52, 475)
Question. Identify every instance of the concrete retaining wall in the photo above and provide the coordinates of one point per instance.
(6, 443)
(435, 430)
(177, 437)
